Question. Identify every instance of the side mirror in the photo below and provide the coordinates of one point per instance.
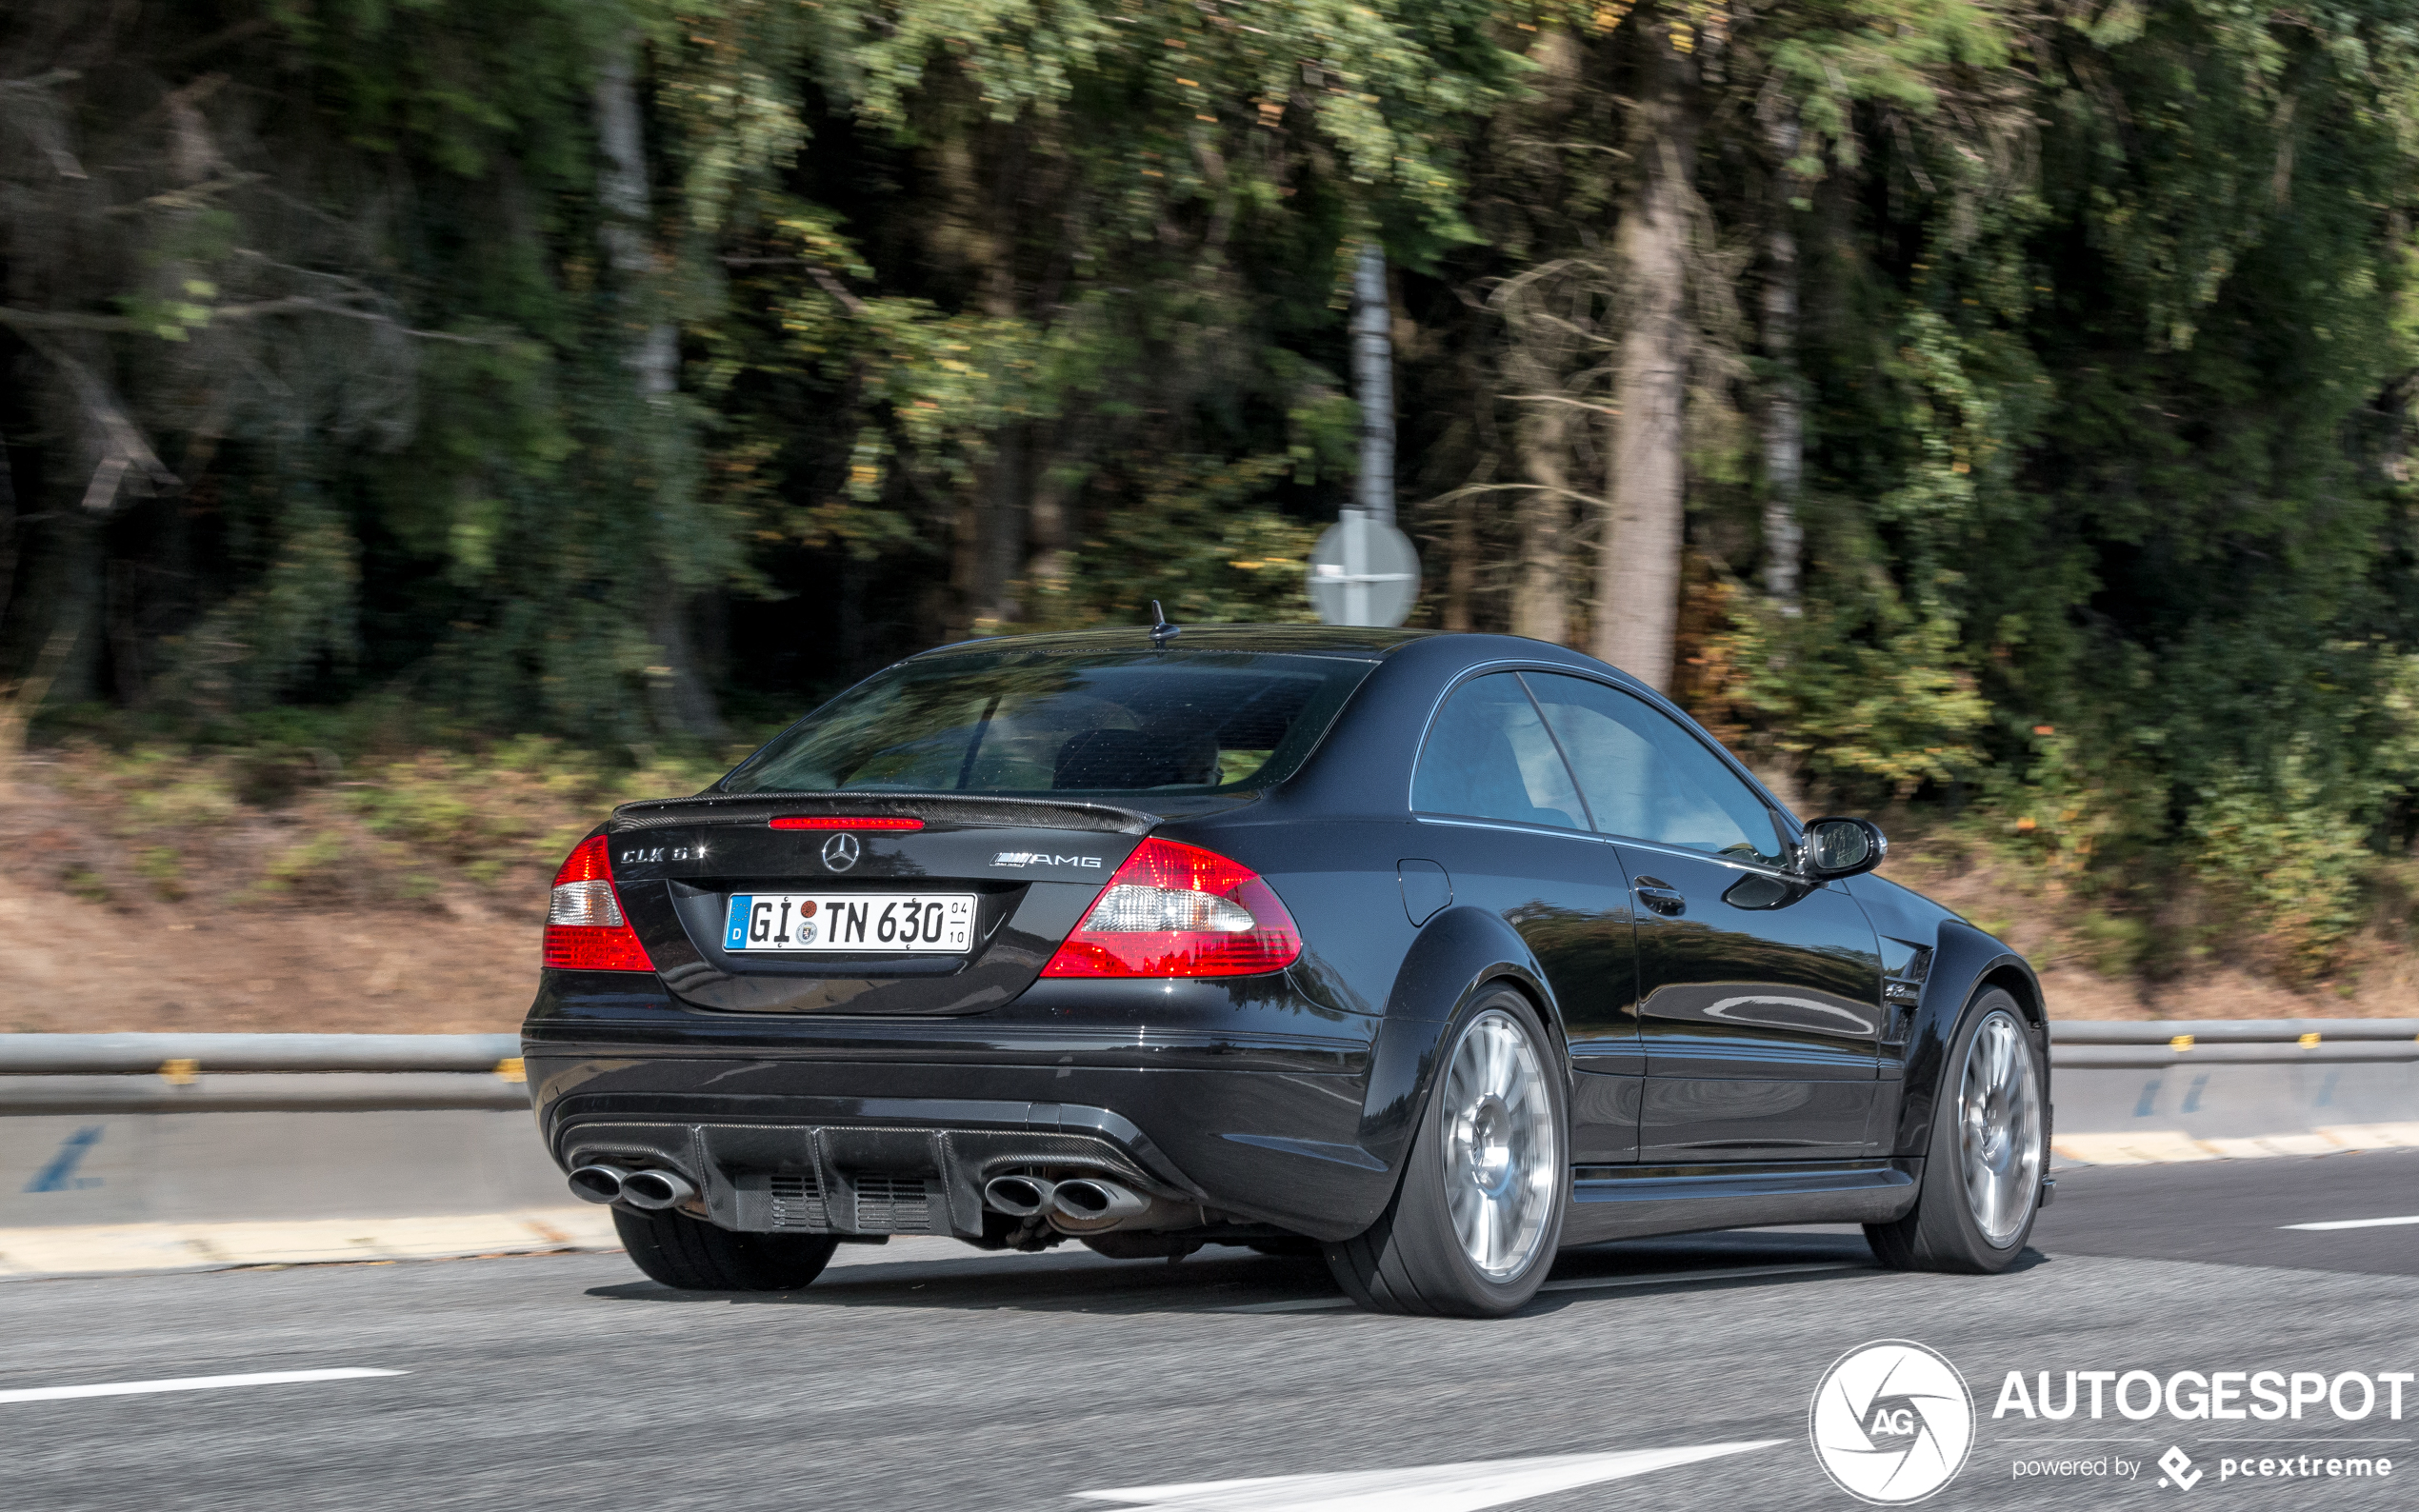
(1843, 848)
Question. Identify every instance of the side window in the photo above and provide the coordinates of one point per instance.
(1489, 757)
(1649, 778)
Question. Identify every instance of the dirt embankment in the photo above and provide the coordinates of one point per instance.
(83, 967)
(158, 896)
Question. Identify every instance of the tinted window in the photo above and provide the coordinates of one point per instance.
(1489, 757)
(1030, 722)
(1647, 777)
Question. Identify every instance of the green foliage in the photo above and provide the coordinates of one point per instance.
(2285, 862)
(1865, 694)
(2113, 946)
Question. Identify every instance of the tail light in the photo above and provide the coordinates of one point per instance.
(585, 930)
(1174, 910)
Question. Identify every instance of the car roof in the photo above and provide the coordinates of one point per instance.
(1353, 641)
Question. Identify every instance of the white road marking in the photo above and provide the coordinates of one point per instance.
(1581, 1283)
(2355, 1222)
(136, 1389)
(1464, 1487)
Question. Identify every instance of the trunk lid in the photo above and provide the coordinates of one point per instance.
(1031, 866)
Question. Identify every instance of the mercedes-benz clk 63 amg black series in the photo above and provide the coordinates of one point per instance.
(1433, 952)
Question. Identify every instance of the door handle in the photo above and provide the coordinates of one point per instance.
(1662, 897)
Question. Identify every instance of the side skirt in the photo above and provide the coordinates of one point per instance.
(1630, 1202)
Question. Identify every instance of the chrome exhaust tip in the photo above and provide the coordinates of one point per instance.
(598, 1184)
(1089, 1205)
(653, 1191)
(1019, 1196)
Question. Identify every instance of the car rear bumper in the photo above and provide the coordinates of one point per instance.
(821, 1124)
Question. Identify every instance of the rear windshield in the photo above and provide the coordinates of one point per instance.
(1037, 722)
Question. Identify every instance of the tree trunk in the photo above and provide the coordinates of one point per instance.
(677, 693)
(998, 605)
(1638, 577)
(1373, 383)
(621, 187)
(1461, 571)
(1783, 418)
(1058, 473)
(1540, 604)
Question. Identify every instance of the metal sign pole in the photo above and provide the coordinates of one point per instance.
(1365, 572)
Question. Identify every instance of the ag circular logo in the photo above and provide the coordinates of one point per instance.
(840, 851)
(1892, 1421)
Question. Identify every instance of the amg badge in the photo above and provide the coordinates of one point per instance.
(1040, 858)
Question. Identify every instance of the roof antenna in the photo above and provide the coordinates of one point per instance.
(1162, 630)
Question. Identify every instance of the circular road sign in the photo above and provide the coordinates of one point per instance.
(1364, 572)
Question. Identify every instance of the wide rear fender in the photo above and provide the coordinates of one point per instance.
(1456, 953)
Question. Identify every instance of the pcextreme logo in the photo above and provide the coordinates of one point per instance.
(1892, 1421)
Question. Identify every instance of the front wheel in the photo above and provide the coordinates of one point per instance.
(1982, 1170)
(1473, 1227)
(690, 1254)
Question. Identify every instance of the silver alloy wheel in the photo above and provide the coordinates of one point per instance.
(1502, 1155)
(1999, 1128)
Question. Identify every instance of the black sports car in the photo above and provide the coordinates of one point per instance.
(1433, 952)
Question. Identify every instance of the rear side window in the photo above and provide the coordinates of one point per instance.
(1489, 757)
(1647, 778)
(1038, 722)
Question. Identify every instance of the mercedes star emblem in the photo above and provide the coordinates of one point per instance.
(840, 852)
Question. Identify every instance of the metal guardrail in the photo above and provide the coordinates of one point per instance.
(2093, 1046)
(273, 1093)
(228, 1073)
(172, 1055)
(257, 1073)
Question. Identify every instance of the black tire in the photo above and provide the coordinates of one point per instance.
(1413, 1260)
(1941, 1232)
(690, 1254)
(1289, 1248)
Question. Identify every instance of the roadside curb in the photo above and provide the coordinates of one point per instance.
(2161, 1146)
(52, 1253)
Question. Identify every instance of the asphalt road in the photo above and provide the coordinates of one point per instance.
(924, 1374)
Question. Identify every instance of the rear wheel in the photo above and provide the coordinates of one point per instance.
(1474, 1225)
(690, 1254)
(1982, 1170)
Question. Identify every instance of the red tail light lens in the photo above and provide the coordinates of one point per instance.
(841, 822)
(585, 930)
(1174, 910)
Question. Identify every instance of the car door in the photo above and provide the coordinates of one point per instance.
(1759, 994)
(1498, 810)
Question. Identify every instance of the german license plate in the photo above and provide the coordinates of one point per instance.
(927, 922)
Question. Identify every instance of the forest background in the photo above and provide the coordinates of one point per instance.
(428, 421)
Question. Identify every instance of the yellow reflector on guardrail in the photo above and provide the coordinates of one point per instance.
(180, 1072)
(510, 1070)
(2310, 1042)
(2182, 1041)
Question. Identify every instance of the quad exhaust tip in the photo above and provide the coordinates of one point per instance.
(598, 1184)
(1089, 1205)
(1019, 1196)
(651, 1191)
